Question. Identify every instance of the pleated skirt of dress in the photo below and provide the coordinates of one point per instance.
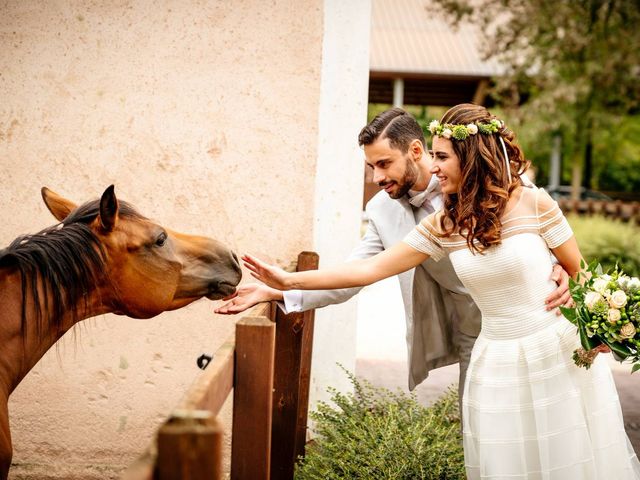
(530, 413)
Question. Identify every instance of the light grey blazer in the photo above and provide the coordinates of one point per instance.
(436, 304)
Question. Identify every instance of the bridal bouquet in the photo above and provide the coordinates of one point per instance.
(606, 312)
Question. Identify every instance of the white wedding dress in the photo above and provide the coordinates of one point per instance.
(528, 411)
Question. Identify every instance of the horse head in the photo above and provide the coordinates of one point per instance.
(102, 257)
(147, 268)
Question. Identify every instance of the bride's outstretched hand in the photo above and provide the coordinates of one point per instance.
(270, 275)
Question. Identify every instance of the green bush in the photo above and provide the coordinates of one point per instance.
(609, 241)
(376, 434)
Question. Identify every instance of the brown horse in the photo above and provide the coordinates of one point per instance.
(102, 257)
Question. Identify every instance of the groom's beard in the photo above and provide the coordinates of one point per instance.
(406, 183)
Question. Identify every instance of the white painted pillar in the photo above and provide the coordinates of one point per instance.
(398, 92)
(339, 185)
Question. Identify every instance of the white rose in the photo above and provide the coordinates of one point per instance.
(622, 281)
(628, 330)
(634, 283)
(446, 133)
(618, 299)
(600, 285)
(472, 128)
(433, 125)
(591, 299)
(613, 315)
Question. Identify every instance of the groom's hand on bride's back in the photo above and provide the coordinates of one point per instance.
(246, 296)
(561, 296)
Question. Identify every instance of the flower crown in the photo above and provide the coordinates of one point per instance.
(460, 132)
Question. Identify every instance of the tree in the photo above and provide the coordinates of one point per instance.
(576, 64)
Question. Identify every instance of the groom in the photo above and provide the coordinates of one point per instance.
(442, 320)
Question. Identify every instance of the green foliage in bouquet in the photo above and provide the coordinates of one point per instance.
(606, 312)
(376, 434)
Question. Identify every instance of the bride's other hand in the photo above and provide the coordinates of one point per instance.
(561, 296)
(268, 274)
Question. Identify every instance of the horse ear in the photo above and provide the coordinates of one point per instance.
(59, 206)
(109, 209)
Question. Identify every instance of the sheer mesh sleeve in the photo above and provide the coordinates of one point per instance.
(552, 224)
(424, 239)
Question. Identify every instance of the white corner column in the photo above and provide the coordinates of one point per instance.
(339, 180)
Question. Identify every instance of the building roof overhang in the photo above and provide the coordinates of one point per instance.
(438, 64)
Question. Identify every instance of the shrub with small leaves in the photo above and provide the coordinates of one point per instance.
(374, 433)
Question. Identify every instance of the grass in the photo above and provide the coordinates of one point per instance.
(609, 241)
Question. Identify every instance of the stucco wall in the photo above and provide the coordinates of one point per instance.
(205, 115)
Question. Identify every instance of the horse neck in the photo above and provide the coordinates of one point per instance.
(21, 350)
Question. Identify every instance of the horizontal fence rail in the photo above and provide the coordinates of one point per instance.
(266, 363)
(615, 209)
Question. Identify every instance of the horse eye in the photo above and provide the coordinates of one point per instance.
(162, 238)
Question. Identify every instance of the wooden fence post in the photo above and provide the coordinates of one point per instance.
(190, 447)
(252, 399)
(294, 340)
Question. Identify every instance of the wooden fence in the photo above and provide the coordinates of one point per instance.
(266, 364)
(616, 209)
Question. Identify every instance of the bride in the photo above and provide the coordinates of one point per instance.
(528, 411)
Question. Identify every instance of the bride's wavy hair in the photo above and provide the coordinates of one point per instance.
(484, 189)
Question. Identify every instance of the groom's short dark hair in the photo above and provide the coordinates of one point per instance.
(395, 124)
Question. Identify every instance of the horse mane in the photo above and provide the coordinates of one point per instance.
(67, 260)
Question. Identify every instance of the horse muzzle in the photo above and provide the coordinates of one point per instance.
(218, 290)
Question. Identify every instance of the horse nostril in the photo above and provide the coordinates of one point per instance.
(236, 262)
(236, 266)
